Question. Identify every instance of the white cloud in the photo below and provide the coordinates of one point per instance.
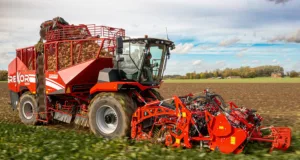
(279, 1)
(205, 47)
(291, 37)
(207, 23)
(296, 66)
(135, 25)
(255, 61)
(254, 34)
(5, 59)
(183, 48)
(241, 53)
(221, 63)
(173, 68)
(197, 62)
(229, 42)
(276, 62)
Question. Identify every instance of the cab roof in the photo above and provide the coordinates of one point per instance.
(152, 40)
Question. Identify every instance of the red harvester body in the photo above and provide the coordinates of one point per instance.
(94, 76)
(78, 70)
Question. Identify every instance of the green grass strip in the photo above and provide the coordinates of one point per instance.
(18, 141)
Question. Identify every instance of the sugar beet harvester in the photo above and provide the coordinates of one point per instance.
(93, 76)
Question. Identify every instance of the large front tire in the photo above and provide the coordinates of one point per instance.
(28, 109)
(110, 114)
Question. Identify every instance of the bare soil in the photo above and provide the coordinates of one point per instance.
(279, 104)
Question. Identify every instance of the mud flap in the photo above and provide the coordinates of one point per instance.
(62, 117)
(81, 120)
(14, 99)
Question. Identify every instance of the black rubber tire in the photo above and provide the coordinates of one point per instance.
(27, 97)
(157, 94)
(124, 107)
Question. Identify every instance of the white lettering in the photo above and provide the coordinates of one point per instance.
(9, 79)
(53, 76)
(20, 78)
(26, 79)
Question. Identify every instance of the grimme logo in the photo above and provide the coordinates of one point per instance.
(19, 78)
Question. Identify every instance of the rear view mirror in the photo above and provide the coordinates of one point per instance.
(168, 52)
(119, 42)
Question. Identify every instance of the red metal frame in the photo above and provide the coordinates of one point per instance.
(27, 56)
(113, 86)
(61, 80)
(82, 31)
(58, 78)
(222, 135)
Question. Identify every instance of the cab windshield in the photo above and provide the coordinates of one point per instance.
(133, 54)
(153, 71)
(143, 62)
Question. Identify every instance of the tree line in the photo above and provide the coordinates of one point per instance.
(243, 72)
(3, 75)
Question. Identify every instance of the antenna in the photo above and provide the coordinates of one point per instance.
(167, 33)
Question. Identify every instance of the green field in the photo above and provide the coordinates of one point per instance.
(242, 80)
(18, 141)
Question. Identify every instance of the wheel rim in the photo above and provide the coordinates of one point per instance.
(106, 119)
(27, 110)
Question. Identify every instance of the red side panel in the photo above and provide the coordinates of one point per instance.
(12, 78)
(230, 143)
(105, 86)
(54, 82)
(89, 75)
(20, 65)
(221, 126)
(26, 80)
(226, 138)
(70, 73)
(84, 73)
(19, 77)
(113, 86)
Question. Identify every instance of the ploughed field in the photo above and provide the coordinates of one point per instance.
(279, 105)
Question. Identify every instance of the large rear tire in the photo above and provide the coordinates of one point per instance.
(28, 109)
(110, 114)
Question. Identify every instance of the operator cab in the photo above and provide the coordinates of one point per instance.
(143, 59)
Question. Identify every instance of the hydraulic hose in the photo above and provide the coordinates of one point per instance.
(221, 100)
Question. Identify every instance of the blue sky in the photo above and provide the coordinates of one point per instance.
(237, 55)
(209, 34)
